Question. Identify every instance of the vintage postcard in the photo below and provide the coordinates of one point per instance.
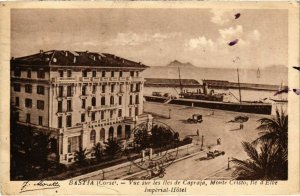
(149, 98)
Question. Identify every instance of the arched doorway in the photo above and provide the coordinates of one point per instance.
(93, 137)
(111, 133)
(119, 132)
(102, 134)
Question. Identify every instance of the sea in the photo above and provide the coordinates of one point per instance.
(274, 76)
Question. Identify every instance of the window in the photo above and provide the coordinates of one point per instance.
(120, 100)
(103, 73)
(112, 74)
(27, 118)
(112, 88)
(60, 91)
(61, 73)
(28, 103)
(17, 87)
(83, 90)
(17, 73)
(137, 74)
(73, 144)
(59, 106)
(93, 137)
(69, 105)
(40, 104)
(121, 74)
(121, 88)
(130, 100)
(120, 113)
(131, 73)
(83, 104)
(93, 101)
(137, 101)
(40, 90)
(103, 88)
(112, 100)
(41, 74)
(83, 117)
(131, 87)
(111, 114)
(40, 120)
(17, 101)
(69, 121)
(93, 116)
(28, 73)
(94, 73)
(136, 111)
(111, 133)
(28, 88)
(69, 91)
(102, 134)
(69, 73)
(119, 132)
(102, 115)
(102, 100)
(137, 87)
(84, 73)
(130, 112)
(94, 89)
(59, 122)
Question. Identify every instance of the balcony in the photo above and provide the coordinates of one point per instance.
(114, 79)
(103, 107)
(122, 78)
(137, 79)
(104, 79)
(85, 79)
(96, 79)
(64, 80)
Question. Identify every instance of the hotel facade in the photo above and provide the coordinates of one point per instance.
(80, 98)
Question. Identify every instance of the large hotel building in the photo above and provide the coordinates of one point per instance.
(81, 98)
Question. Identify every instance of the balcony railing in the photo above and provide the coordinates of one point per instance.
(85, 79)
(62, 79)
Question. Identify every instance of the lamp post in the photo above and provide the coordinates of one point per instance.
(170, 113)
(202, 140)
(228, 163)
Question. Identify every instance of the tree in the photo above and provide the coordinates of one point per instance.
(161, 136)
(112, 147)
(269, 163)
(141, 138)
(80, 156)
(274, 130)
(98, 151)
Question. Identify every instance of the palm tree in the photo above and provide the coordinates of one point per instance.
(269, 163)
(98, 151)
(80, 156)
(112, 147)
(274, 129)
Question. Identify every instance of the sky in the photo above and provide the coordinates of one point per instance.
(156, 37)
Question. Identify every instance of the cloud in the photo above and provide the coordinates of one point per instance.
(221, 17)
(200, 41)
(134, 39)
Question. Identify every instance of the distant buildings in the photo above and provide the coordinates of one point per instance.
(81, 98)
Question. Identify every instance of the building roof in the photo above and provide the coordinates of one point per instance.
(171, 82)
(76, 58)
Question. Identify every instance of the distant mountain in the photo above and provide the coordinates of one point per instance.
(176, 63)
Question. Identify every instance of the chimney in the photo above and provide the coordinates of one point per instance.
(74, 60)
(41, 51)
(66, 53)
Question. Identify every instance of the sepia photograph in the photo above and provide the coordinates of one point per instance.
(109, 95)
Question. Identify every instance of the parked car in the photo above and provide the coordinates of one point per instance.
(213, 154)
(196, 118)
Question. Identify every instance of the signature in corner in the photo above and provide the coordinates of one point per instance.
(41, 185)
